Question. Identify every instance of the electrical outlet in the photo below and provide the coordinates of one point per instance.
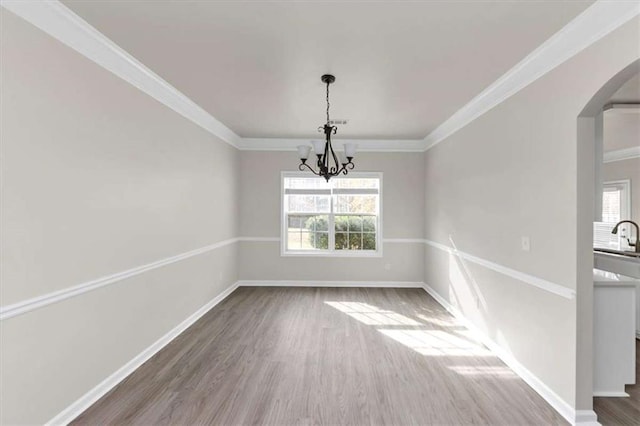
(525, 243)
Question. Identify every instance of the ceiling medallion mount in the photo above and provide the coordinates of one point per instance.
(329, 163)
(328, 79)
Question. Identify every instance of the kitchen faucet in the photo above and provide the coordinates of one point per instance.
(636, 245)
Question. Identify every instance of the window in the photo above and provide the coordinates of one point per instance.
(616, 206)
(336, 218)
(615, 201)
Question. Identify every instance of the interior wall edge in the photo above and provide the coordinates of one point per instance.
(85, 401)
(34, 303)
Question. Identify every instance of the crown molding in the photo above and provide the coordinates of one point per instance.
(61, 23)
(622, 154)
(590, 26)
(364, 145)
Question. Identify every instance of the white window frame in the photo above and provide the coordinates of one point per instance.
(331, 252)
(624, 185)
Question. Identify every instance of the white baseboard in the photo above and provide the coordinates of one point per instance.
(303, 283)
(80, 405)
(561, 406)
(586, 418)
(610, 394)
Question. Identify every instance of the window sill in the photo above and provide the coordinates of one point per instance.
(344, 254)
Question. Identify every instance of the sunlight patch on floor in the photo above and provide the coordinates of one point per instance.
(439, 322)
(371, 315)
(436, 343)
(487, 371)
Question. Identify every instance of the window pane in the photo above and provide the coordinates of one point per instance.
(295, 222)
(611, 206)
(305, 183)
(319, 227)
(369, 241)
(321, 223)
(355, 224)
(321, 240)
(341, 223)
(356, 204)
(307, 203)
(355, 241)
(356, 183)
(342, 241)
(368, 223)
(299, 236)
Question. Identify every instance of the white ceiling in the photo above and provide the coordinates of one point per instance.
(402, 68)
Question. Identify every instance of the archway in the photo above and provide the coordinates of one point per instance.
(586, 133)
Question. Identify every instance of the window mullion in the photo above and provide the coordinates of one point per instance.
(332, 228)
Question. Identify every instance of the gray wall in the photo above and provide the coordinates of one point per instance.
(402, 203)
(512, 173)
(622, 130)
(98, 178)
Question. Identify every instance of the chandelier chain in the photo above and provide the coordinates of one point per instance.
(328, 103)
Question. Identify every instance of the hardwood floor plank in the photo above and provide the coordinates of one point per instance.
(323, 356)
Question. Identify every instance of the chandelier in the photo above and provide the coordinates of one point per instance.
(329, 163)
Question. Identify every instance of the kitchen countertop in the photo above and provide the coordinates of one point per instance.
(630, 254)
(606, 278)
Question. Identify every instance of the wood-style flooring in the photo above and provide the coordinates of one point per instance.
(621, 411)
(331, 356)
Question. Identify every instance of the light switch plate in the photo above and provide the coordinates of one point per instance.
(525, 243)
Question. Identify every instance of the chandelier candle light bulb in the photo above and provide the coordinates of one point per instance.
(318, 147)
(329, 163)
(350, 150)
(303, 152)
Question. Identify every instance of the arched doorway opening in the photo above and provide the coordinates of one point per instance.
(587, 205)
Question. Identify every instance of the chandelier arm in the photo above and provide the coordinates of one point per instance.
(327, 147)
(302, 166)
(321, 167)
(334, 169)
